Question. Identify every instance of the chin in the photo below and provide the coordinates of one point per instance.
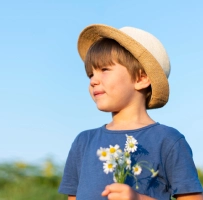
(105, 109)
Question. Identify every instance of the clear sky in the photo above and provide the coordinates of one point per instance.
(44, 99)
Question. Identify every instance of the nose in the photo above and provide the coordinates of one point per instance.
(94, 80)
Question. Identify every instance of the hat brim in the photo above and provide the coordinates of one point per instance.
(158, 79)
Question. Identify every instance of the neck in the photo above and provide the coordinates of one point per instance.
(133, 117)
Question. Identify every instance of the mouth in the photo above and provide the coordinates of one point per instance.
(98, 93)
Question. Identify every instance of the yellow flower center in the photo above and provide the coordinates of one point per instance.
(112, 150)
(131, 145)
(103, 153)
(136, 169)
(110, 166)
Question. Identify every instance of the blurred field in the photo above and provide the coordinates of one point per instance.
(20, 181)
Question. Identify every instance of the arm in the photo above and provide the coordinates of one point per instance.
(71, 197)
(118, 191)
(69, 181)
(194, 196)
(182, 173)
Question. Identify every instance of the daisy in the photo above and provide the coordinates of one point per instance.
(137, 170)
(103, 154)
(119, 162)
(130, 145)
(131, 138)
(109, 166)
(113, 149)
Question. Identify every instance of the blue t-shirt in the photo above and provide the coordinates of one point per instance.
(163, 147)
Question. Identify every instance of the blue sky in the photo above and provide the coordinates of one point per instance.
(44, 99)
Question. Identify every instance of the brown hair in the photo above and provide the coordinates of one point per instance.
(106, 52)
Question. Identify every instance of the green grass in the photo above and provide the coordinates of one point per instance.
(30, 189)
(19, 181)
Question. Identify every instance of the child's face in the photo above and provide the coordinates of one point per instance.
(112, 88)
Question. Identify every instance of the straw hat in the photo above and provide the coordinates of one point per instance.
(146, 48)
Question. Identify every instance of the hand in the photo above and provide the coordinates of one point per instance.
(118, 191)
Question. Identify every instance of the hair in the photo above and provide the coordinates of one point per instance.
(105, 52)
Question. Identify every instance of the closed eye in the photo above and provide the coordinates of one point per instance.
(90, 76)
(105, 69)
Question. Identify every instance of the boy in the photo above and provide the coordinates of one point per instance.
(128, 70)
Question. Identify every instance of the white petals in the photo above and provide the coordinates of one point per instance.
(137, 169)
(103, 154)
(130, 145)
(114, 151)
(120, 164)
(109, 166)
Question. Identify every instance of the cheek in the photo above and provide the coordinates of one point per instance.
(91, 92)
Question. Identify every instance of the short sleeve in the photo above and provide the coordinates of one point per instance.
(181, 171)
(70, 177)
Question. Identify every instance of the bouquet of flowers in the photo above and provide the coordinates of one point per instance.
(119, 162)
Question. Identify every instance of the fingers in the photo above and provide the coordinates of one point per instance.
(113, 196)
(120, 191)
(105, 192)
(115, 188)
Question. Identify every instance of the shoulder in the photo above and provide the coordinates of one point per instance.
(84, 137)
(87, 134)
(82, 141)
(166, 137)
(169, 133)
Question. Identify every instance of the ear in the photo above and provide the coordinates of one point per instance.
(142, 81)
